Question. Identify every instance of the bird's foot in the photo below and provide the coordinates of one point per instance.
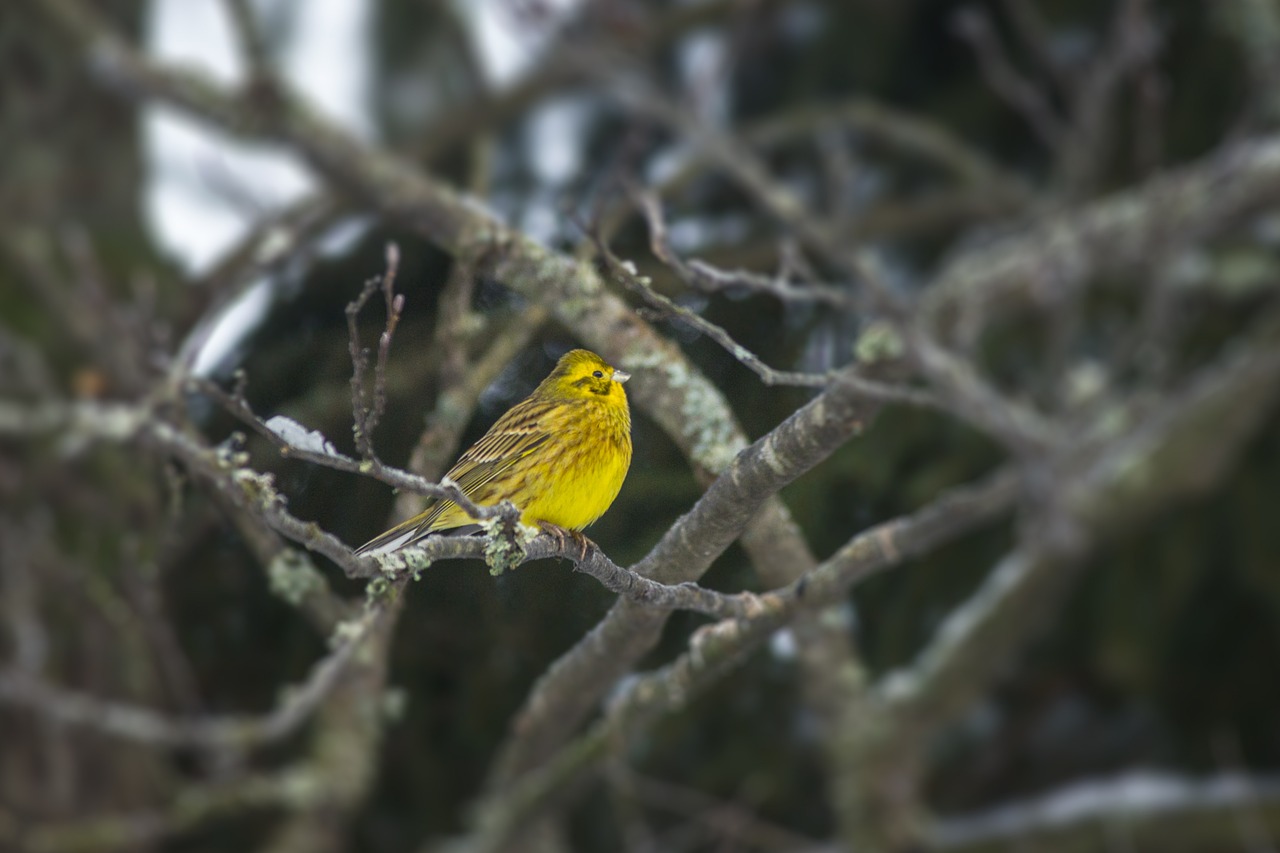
(562, 536)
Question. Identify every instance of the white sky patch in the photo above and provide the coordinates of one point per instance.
(508, 42)
(342, 237)
(703, 65)
(237, 320)
(204, 191)
(198, 33)
(556, 133)
(327, 59)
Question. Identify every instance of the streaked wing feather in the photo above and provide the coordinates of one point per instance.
(510, 440)
(473, 474)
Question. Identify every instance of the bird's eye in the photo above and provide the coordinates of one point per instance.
(598, 375)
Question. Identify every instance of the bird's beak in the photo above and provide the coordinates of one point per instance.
(620, 376)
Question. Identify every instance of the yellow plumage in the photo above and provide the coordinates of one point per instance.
(560, 455)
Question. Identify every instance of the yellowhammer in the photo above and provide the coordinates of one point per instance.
(560, 455)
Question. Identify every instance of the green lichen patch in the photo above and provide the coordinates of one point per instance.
(505, 549)
(293, 577)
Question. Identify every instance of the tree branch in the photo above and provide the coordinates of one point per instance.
(1109, 235)
(207, 733)
(1150, 811)
(717, 648)
(1130, 479)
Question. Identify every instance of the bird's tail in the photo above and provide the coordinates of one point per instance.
(399, 536)
(413, 531)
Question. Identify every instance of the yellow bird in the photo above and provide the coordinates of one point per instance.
(560, 455)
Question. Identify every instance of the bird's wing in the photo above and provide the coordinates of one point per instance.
(516, 434)
(479, 473)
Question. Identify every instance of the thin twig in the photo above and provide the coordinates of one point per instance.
(704, 277)
(1032, 32)
(1131, 43)
(360, 409)
(394, 306)
(625, 274)
(1018, 92)
(365, 416)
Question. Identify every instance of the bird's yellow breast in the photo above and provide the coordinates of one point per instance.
(589, 467)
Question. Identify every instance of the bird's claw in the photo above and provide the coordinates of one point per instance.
(562, 536)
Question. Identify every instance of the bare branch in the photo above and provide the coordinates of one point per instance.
(705, 431)
(1080, 474)
(190, 807)
(204, 733)
(1131, 44)
(898, 131)
(1113, 234)
(1021, 94)
(623, 272)
(703, 277)
(963, 653)
(366, 415)
(1152, 810)
(1097, 497)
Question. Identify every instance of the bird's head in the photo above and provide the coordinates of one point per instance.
(582, 374)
